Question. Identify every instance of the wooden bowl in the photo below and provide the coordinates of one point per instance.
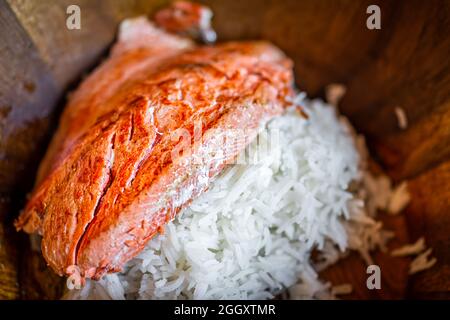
(404, 64)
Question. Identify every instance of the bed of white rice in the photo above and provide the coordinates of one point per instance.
(251, 236)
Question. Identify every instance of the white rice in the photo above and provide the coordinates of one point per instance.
(334, 92)
(252, 234)
(341, 289)
(402, 119)
(399, 199)
(422, 261)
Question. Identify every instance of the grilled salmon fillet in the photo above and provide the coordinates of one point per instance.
(142, 137)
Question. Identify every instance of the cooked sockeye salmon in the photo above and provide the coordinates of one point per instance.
(115, 173)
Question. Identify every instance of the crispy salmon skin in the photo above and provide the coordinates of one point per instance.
(115, 173)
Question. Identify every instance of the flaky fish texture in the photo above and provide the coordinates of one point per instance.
(142, 137)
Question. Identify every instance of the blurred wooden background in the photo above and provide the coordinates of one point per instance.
(405, 64)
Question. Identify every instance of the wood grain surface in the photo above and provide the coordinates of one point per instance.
(405, 64)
